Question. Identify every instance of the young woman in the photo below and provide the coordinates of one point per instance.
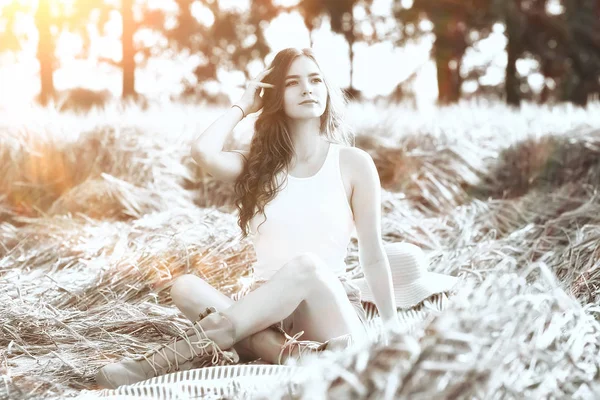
(301, 190)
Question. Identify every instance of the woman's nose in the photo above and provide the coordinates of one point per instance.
(306, 89)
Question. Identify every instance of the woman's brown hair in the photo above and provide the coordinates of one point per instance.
(271, 148)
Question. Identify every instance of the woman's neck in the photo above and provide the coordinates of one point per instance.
(306, 138)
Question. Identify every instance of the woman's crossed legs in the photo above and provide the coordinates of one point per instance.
(303, 287)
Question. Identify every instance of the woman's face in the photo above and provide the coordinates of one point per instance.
(305, 93)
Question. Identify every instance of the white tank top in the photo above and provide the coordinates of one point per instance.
(308, 215)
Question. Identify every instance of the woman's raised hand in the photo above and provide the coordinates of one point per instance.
(251, 101)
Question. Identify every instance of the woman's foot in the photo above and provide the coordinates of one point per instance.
(192, 349)
(296, 349)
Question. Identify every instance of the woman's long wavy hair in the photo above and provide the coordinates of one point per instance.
(271, 148)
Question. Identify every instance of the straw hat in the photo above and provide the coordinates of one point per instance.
(412, 281)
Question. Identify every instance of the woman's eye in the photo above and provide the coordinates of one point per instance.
(290, 83)
(317, 80)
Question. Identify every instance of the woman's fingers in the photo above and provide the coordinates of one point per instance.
(257, 82)
(256, 85)
(263, 74)
(261, 84)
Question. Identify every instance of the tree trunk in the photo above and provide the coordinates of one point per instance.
(579, 95)
(513, 92)
(443, 76)
(448, 50)
(448, 78)
(45, 51)
(128, 60)
(351, 56)
(511, 80)
(351, 39)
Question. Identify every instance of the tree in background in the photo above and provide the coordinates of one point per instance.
(227, 43)
(566, 45)
(128, 49)
(515, 34)
(231, 40)
(10, 40)
(312, 12)
(580, 39)
(455, 25)
(135, 16)
(342, 20)
(527, 37)
(74, 17)
(51, 20)
(45, 50)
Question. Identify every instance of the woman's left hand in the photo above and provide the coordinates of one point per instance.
(391, 327)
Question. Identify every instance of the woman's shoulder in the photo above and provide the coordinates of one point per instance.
(354, 156)
(354, 151)
(354, 160)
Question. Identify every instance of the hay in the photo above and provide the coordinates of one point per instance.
(501, 338)
(95, 224)
(548, 161)
(434, 176)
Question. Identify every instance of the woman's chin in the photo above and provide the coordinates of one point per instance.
(308, 114)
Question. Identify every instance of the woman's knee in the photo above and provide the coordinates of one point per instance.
(309, 267)
(183, 287)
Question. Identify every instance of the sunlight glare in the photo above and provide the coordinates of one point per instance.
(536, 81)
(554, 7)
(406, 3)
(240, 5)
(285, 3)
(287, 30)
(202, 14)
(69, 45)
(381, 7)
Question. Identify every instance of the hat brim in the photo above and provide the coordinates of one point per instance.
(409, 295)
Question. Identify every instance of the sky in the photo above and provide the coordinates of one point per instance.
(378, 68)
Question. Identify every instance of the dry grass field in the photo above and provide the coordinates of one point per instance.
(100, 212)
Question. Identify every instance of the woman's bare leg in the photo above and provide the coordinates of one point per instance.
(304, 284)
(192, 295)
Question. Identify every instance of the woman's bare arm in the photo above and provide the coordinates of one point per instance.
(366, 206)
(207, 149)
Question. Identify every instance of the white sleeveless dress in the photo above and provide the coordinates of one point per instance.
(309, 214)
